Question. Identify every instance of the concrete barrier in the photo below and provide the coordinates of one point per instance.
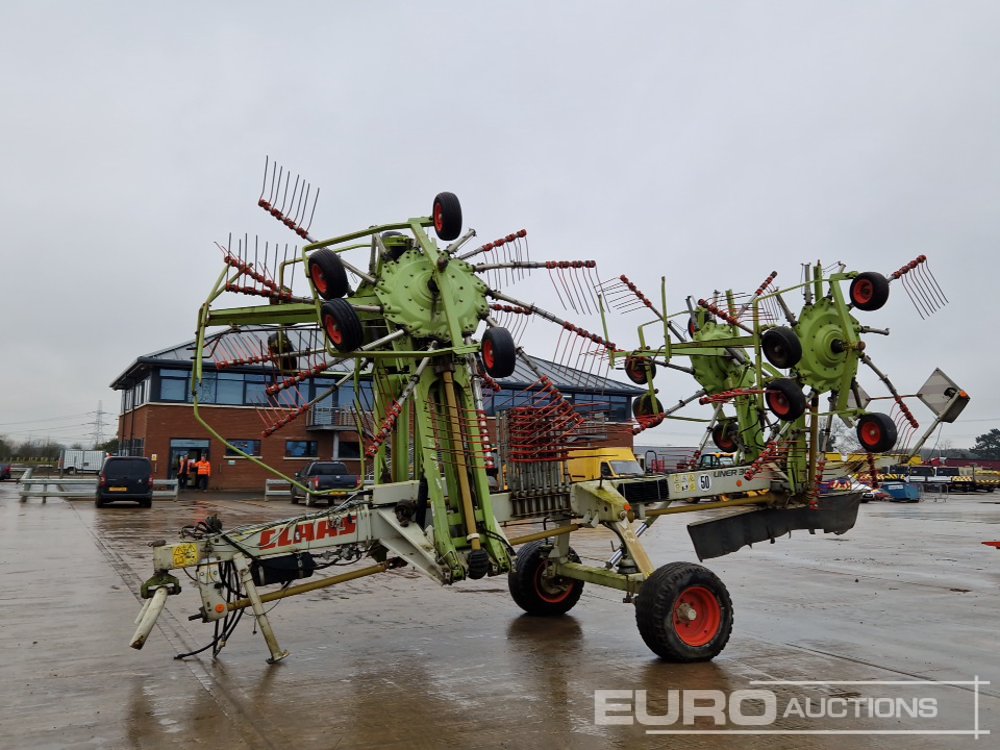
(277, 489)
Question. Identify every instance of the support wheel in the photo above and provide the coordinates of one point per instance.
(785, 399)
(684, 613)
(869, 291)
(876, 432)
(781, 347)
(447, 216)
(327, 273)
(646, 406)
(724, 436)
(499, 352)
(640, 370)
(279, 347)
(536, 593)
(342, 325)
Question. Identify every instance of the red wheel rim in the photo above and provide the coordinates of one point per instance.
(697, 616)
(724, 440)
(778, 402)
(551, 590)
(635, 369)
(864, 290)
(333, 331)
(489, 359)
(871, 433)
(438, 217)
(318, 278)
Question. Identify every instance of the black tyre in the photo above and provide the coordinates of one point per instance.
(876, 432)
(499, 352)
(724, 436)
(395, 248)
(447, 216)
(785, 399)
(646, 406)
(279, 347)
(295, 497)
(640, 370)
(536, 593)
(99, 502)
(781, 347)
(869, 291)
(342, 325)
(684, 613)
(148, 503)
(327, 273)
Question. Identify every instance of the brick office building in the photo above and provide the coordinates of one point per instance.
(157, 417)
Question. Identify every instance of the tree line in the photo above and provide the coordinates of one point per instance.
(47, 450)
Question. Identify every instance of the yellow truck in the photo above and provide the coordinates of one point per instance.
(594, 463)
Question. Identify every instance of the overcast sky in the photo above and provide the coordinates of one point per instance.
(707, 142)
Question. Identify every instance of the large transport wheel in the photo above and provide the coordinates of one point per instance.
(536, 593)
(869, 291)
(876, 432)
(447, 216)
(640, 370)
(327, 273)
(499, 352)
(781, 347)
(724, 436)
(342, 325)
(684, 613)
(785, 399)
(646, 406)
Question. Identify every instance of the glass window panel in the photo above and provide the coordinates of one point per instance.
(301, 449)
(250, 447)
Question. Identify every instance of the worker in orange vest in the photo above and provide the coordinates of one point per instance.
(204, 469)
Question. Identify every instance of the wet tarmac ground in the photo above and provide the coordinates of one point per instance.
(396, 661)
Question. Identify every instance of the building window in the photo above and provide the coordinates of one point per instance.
(174, 385)
(249, 447)
(347, 448)
(301, 449)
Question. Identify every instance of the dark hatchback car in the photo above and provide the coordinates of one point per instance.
(4, 471)
(125, 478)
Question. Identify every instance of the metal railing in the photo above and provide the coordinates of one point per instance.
(81, 489)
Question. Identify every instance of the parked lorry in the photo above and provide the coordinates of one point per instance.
(593, 463)
(974, 479)
(329, 480)
(74, 461)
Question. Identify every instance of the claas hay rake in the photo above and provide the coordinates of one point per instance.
(415, 323)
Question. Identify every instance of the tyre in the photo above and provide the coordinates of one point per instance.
(785, 399)
(447, 216)
(876, 432)
(327, 273)
(147, 503)
(684, 613)
(781, 347)
(499, 352)
(640, 370)
(869, 291)
(724, 436)
(532, 591)
(295, 498)
(279, 346)
(646, 406)
(342, 325)
(99, 502)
